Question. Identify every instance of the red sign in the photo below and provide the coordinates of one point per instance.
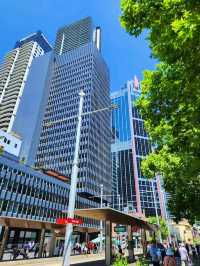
(68, 221)
(135, 228)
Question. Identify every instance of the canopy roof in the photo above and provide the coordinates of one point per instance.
(115, 216)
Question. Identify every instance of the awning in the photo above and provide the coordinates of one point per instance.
(115, 216)
(98, 240)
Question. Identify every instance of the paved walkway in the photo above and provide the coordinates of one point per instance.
(81, 260)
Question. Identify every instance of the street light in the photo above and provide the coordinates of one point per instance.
(72, 194)
(101, 222)
(74, 175)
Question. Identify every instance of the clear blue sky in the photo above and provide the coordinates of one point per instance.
(125, 55)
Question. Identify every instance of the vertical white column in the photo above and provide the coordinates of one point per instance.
(101, 222)
(72, 194)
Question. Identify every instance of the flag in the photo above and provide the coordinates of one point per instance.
(136, 83)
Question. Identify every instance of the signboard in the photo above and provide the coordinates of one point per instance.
(68, 221)
(135, 228)
(120, 229)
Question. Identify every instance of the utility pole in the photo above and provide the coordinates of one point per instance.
(155, 204)
(73, 187)
(119, 200)
(101, 222)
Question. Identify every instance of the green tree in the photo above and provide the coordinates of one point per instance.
(170, 101)
(121, 262)
(163, 227)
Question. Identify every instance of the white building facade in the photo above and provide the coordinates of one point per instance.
(13, 75)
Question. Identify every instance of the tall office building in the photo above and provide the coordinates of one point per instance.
(78, 64)
(13, 75)
(76, 35)
(130, 144)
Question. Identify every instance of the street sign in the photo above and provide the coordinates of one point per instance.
(120, 229)
(68, 221)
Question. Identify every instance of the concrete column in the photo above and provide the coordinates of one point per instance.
(108, 246)
(4, 241)
(131, 256)
(42, 237)
(86, 236)
(52, 244)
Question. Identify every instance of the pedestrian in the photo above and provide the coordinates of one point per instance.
(120, 251)
(177, 255)
(154, 253)
(85, 249)
(169, 259)
(16, 252)
(162, 250)
(45, 250)
(36, 250)
(194, 251)
(95, 248)
(23, 253)
(184, 255)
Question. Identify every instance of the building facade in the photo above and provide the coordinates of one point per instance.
(78, 65)
(13, 75)
(28, 121)
(76, 35)
(130, 143)
(30, 203)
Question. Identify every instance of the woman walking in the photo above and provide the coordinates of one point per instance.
(169, 259)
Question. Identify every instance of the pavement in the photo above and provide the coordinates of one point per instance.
(81, 260)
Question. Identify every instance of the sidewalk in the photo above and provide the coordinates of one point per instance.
(80, 260)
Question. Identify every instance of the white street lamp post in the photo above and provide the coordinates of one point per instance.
(101, 222)
(119, 199)
(72, 194)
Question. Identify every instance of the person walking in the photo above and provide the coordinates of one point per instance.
(154, 253)
(36, 250)
(169, 259)
(184, 255)
(45, 250)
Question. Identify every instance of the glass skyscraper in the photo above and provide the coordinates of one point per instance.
(130, 143)
(78, 64)
(13, 75)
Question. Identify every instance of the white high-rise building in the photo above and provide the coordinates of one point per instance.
(13, 75)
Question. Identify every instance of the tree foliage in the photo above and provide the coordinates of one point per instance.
(163, 227)
(170, 100)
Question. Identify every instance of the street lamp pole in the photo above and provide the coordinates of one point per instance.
(119, 199)
(101, 222)
(73, 187)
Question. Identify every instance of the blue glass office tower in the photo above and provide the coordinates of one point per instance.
(130, 144)
(78, 64)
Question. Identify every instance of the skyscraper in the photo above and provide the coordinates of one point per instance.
(130, 143)
(76, 35)
(13, 75)
(78, 64)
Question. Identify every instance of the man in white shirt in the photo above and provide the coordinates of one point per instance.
(184, 255)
